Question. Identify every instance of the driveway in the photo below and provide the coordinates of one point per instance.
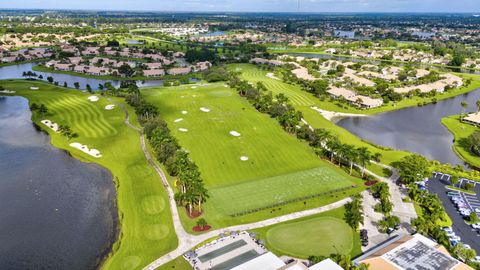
(469, 236)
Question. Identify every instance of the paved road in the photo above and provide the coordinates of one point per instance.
(405, 211)
(468, 235)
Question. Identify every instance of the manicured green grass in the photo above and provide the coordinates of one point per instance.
(321, 234)
(271, 151)
(279, 168)
(461, 131)
(146, 228)
(303, 101)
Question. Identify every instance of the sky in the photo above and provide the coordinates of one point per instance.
(253, 5)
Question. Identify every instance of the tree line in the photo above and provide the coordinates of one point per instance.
(192, 192)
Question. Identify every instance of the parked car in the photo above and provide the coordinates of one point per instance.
(364, 243)
(467, 246)
(452, 193)
(476, 259)
(390, 230)
(455, 238)
(447, 229)
(476, 226)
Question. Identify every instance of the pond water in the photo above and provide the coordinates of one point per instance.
(378, 62)
(16, 71)
(55, 211)
(213, 34)
(416, 129)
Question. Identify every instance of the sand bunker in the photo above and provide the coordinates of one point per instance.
(109, 107)
(93, 98)
(243, 158)
(225, 86)
(203, 109)
(183, 129)
(272, 76)
(53, 126)
(34, 88)
(7, 92)
(194, 87)
(184, 112)
(235, 134)
(92, 152)
(178, 120)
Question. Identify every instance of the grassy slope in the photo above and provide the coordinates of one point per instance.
(271, 151)
(461, 131)
(146, 226)
(320, 234)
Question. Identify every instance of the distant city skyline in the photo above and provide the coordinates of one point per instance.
(470, 6)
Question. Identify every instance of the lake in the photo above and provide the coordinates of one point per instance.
(16, 71)
(415, 129)
(55, 211)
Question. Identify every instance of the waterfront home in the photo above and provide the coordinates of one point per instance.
(63, 67)
(365, 101)
(341, 92)
(154, 72)
(473, 118)
(179, 71)
(75, 60)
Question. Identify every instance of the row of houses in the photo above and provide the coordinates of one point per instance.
(25, 55)
(105, 66)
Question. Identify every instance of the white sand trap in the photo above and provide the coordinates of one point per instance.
(194, 87)
(183, 129)
(225, 86)
(109, 107)
(203, 109)
(235, 134)
(178, 120)
(7, 92)
(34, 88)
(93, 98)
(92, 152)
(243, 158)
(53, 126)
(272, 76)
(184, 112)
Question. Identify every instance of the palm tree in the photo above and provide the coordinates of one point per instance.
(351, 155)
(478, 105)
(333, 146)
(364, 156)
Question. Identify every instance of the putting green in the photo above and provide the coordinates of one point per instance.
(318, 236)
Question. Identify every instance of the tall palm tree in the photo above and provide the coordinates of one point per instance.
(364, 157)
(478, 105)
(351, 155)
(333, 146)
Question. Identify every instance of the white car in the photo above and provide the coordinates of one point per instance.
(455, 238)
(476, 226)
(467, 246)
(476, 259)
(448, 229)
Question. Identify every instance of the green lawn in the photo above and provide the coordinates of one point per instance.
(303, 101)
(146, 226)
(279, 168)
(322, 234)
(461, 131)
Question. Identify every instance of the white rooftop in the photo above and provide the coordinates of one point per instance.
(266, 261)
(326, 264)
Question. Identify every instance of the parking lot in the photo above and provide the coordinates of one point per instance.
(437, 184)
